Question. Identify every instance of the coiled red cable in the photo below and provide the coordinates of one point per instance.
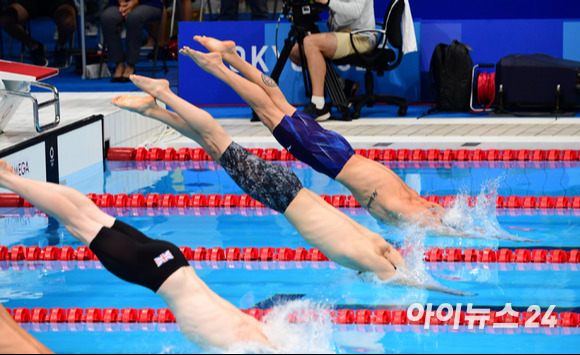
(485, 89)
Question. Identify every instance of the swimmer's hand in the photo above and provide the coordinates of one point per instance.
(447, 231)
(432, 286)
(447, 290)
(515, 238)
(409, 278)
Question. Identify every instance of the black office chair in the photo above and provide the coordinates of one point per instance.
(381, 59)
(28, 28)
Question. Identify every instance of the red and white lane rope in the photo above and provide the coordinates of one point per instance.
(414, 315)
(270, 254)
(273, 154)
(184, 201)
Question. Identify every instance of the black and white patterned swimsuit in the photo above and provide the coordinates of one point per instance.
(273, 185)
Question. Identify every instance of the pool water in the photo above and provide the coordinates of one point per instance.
(308, 284)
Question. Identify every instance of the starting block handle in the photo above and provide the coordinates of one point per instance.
(36, 106)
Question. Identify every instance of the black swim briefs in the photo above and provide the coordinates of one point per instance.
(136, 258)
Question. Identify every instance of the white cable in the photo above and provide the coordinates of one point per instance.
(153, 141)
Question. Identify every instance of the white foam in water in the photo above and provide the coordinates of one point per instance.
(481, 219)
(168, 349)
(414, 274)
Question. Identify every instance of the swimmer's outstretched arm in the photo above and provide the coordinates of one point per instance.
(15, 340)
(439, 228)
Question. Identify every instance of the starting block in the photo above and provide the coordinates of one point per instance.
(15, 82)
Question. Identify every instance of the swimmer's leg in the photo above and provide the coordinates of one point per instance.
(15, 340)
(187, 119)
(268, 112)
(81, 217)
(253, 74)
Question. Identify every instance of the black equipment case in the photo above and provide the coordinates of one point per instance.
(537, 82)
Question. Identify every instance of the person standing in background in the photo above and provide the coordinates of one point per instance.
(229, 10)
(135, 15)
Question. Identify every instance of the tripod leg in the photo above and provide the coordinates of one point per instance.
(335, 91)
(295, 36)
(281, 62)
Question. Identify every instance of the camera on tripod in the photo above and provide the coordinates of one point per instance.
(303, 13)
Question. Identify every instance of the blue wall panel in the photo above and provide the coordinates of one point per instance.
(257, 44)
(572, 40)
(488, 9)
(493, 39)
(490, 39)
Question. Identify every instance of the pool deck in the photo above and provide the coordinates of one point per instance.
(392, 132)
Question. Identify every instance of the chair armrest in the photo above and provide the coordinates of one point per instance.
(381, 31)
(371, 31)
(375, 30)
(381, 45)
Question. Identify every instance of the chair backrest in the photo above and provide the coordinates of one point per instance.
(383, 57)
(392, 25)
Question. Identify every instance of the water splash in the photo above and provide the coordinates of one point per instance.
(414, 275)
(413, 272)
(296, 327)
(478, 217)
(311, 333)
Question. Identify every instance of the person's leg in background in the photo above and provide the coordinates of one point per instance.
(317, 48)
(185, 13)
(111, 20)
(12, 21)
(186, 10)
(259, 9)
(65, 17)
(229, 10)
(135, 24)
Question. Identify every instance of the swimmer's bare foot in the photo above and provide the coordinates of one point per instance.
(210, 62)
(154, 87)
(226, 48)
(5, 170)
(140, 104)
